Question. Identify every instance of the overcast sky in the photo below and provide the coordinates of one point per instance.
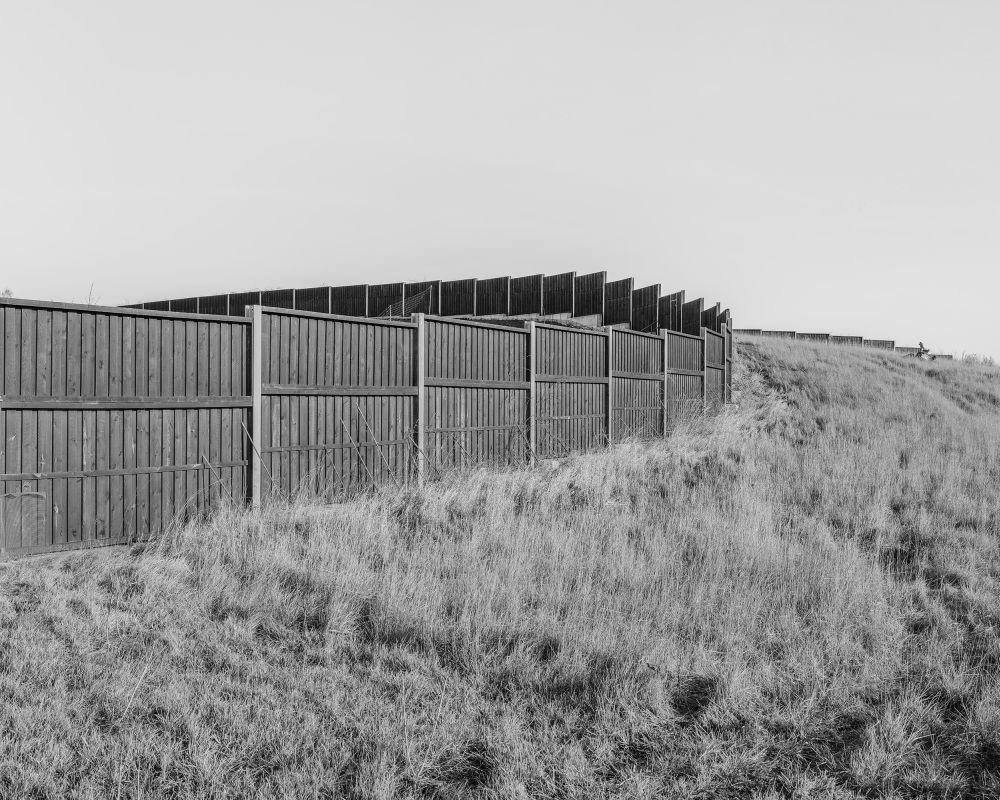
(820, 166)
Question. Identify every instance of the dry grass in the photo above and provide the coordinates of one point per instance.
(796, 599)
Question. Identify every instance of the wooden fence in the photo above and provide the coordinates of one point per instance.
(828, 338)
(117, 422)
(589, 299)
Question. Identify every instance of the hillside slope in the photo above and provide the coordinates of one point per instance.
(799, 598)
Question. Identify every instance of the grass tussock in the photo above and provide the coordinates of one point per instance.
(798, 598)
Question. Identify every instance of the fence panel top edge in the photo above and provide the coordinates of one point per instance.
(714, 333)
(474, 323)
(570, 329)
(294, 312)
(655, 336)
(51, 305)
(680, 335)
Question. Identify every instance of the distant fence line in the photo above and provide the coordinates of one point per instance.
(116, 422)
(590, 298)
(829, 338)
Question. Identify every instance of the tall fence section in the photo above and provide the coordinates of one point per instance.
(589, 298)
(118, 421)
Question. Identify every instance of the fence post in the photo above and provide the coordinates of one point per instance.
(704, 369)
(609, 391)
(728, 391)
(666, 365)
(532, 394)
(421, 409)
(254, 456)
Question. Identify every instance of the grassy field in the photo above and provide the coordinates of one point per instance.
(799, 598)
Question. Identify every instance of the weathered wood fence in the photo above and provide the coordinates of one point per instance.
(116, 422)
(588, 298)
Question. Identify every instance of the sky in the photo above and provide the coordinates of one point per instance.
(814, 166)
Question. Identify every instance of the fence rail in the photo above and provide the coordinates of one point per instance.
(116, 422)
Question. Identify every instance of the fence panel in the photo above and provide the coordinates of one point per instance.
(493, 296)
(670, 311)
(558, 292)
(571, 382)
(421, 298)
(691, 314)
(115, 422)
(315, 299)
(710, 317)
(278, 298)
(851, 341)
(645, 309)
(618, 302)
(351, 301)
(383, 297)
(821, 338)
(715, 370)
(239, 302)
(685, 383)
(458, 297)
(476, 394)
(526, 295)
(637, 385)
(184, 305)
(588, 293)
(217, 304)
(337, 402)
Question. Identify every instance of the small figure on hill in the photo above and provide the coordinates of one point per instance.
(923, 353)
